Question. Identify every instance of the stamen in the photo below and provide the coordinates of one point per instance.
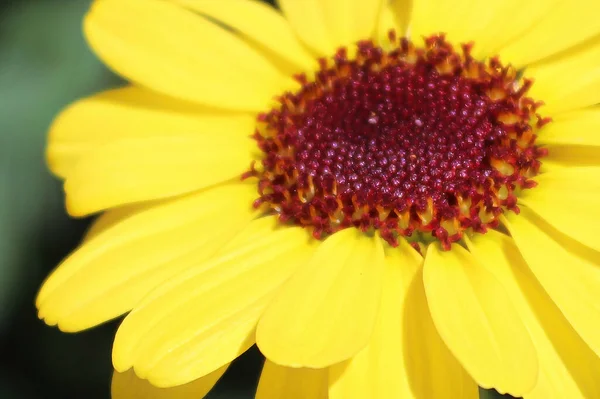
(422, 140)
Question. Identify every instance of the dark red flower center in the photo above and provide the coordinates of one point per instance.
(421, 142)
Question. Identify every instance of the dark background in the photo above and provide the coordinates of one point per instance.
(44, 65)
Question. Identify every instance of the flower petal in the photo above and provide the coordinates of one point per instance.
(570, 156)
(133, 170)
(279, 382)
(565, 24)
(326, 312)
(405, 357)
(350, 21)
(568, 200)
(175, 52)
(432, 370)
(490, 24)
(568, 368)
(395, 14)
(308, 21)
(568, 271)
(109, 274)
(110, 218)
(573, 128)
(475, 317)
(206, 316)
(569, 80)
(390, 20)
(127, 385)
(258, 22)
(131, 112)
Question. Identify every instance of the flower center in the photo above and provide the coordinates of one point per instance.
(421, 142)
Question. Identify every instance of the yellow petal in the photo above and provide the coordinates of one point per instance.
(279, 382)
(432, 370)
(574, 179)
(568, 271)
(405, 357)
(475, 317)
(326, 312)
(127, 385)
(308, 21)
(568, 368)
(573, 128)
(389, 20)
(108, 219)
(570, 156)
(206, 316)
(349, 21)
(568, 200)
(131, 112)
(567, 81)
(175, 52)
(133, 170)
(564, 24)
(489, 24)
(395, 14)
(109, 274)
(258, 22)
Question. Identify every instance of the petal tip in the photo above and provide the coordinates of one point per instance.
(74, 206)
(122, 357)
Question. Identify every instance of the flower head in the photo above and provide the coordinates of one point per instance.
(391, 200)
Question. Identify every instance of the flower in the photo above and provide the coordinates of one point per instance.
(394, 218)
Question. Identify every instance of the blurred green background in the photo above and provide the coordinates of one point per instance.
(44, 65)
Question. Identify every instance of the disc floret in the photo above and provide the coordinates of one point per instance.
(421, 142)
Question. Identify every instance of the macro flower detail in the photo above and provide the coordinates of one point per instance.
(414, 142)
(390, 199)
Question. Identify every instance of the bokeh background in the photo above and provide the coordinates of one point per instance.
(44, 65)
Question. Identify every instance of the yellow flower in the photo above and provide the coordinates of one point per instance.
(400, 219)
